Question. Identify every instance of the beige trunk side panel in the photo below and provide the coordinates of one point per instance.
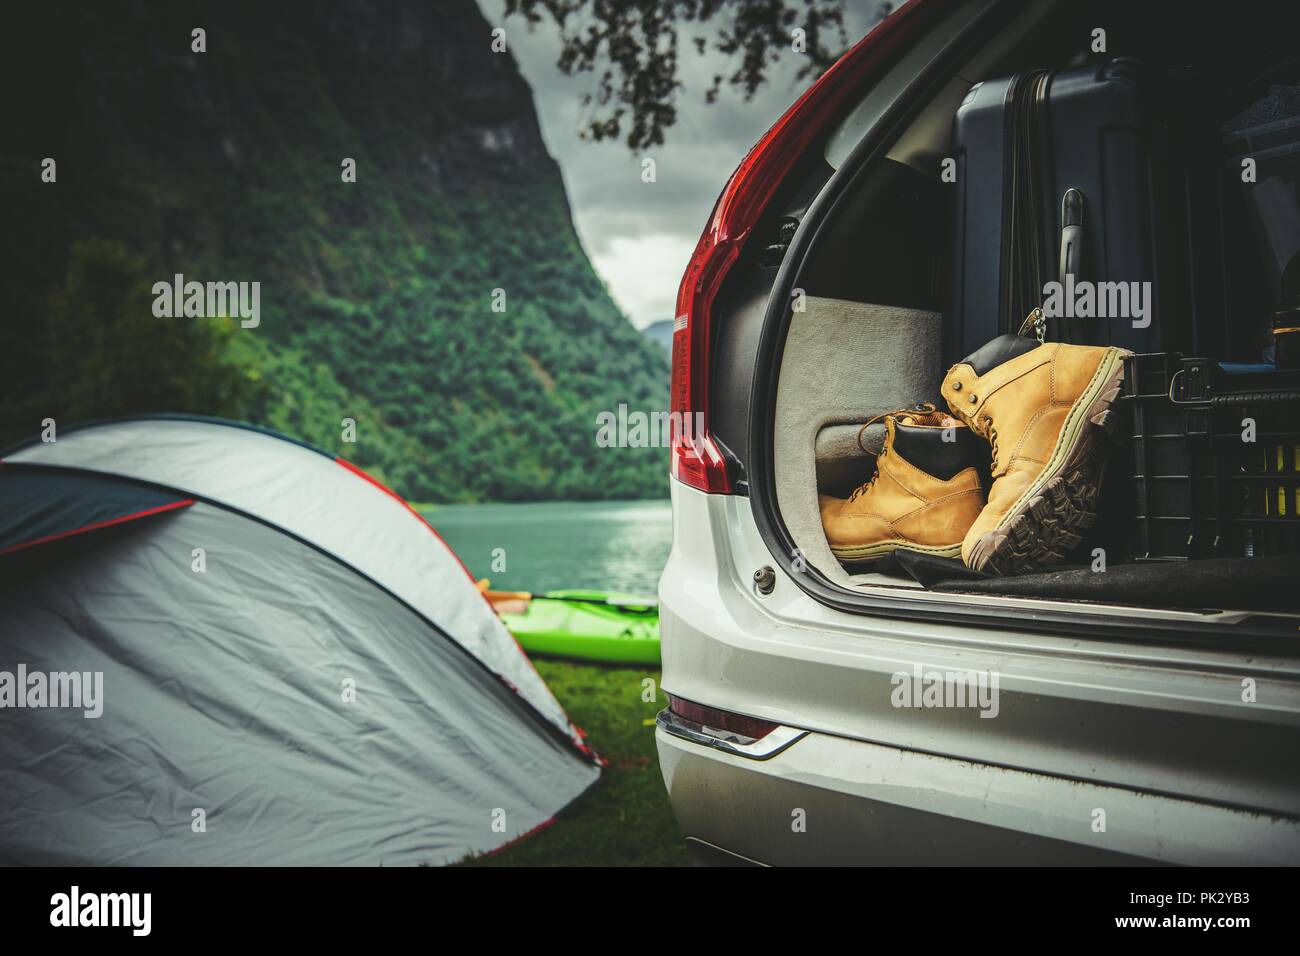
(844, 362)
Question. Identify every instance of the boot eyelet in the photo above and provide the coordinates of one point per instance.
(974, 399)
(956, 386)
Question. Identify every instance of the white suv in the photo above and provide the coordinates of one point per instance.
(1141, 710)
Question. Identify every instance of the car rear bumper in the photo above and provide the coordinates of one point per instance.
(831, 801)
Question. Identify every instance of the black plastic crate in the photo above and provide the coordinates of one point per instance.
(1201, 488)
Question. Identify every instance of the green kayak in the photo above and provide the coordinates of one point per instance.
(586, 625)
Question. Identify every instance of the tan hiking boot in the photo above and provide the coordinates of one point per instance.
(924, 495)
(1046, 409)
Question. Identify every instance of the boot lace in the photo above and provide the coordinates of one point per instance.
(991, 433)
(867, 486)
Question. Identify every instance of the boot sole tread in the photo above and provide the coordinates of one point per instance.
(1050, 520)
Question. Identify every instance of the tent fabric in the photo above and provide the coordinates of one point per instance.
(223, 693)
(39, 506)
(311, 496)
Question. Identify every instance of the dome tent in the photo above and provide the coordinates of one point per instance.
(295, 668)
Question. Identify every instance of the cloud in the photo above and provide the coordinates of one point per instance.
(627, 261)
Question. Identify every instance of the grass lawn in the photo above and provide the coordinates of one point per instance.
(624, 819)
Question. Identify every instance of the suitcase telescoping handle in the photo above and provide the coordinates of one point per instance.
(1071, 235)
(1070, 262)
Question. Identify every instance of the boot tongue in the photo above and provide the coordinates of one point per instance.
(927, 419)
(922, 414)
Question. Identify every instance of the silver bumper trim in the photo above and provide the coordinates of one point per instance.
(760, 749)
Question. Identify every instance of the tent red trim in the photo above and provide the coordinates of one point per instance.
(121, 519)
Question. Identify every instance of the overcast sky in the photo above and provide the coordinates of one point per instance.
(640, 235)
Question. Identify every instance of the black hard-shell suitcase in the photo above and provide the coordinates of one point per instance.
(1064, 172)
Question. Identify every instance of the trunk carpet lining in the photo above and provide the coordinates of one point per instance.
(1266, 584)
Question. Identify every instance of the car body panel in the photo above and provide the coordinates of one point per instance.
(1171, 722)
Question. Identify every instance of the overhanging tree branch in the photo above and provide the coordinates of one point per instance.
(631, 48)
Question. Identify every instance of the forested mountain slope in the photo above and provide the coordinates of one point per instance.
(376, 297)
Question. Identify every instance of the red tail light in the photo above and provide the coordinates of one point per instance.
(696, 460)
(724, 720)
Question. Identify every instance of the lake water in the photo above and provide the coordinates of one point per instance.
(610, 545)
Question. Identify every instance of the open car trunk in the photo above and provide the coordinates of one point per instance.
(877, 297)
